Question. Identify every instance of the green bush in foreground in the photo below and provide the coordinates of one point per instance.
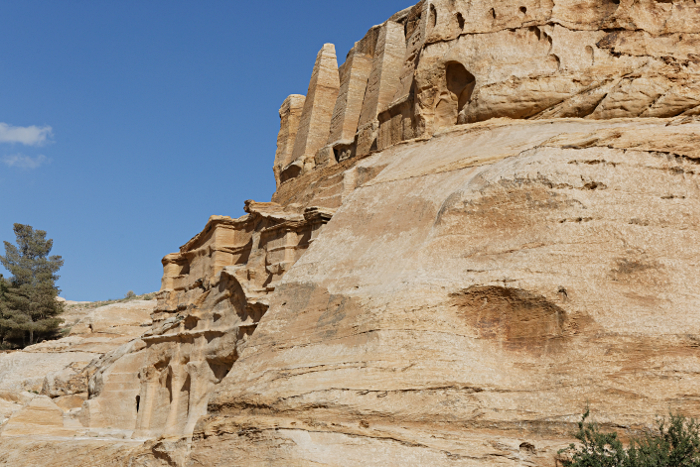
(675, 443)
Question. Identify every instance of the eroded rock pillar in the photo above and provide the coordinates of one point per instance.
(354, 75)
(315, 124)
(290, 116)
(382, 85)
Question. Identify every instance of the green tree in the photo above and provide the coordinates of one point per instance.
(29, 309)
(596, 449)
(675, 443)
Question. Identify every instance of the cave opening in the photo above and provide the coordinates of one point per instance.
(460, 82)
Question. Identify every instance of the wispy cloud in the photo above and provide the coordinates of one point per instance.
(25, 162)
(27, 135)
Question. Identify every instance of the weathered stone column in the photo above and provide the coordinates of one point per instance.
(315, 124)
(354, 75)
(290, 116)
(382, 85)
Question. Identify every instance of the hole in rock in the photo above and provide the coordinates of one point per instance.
(292, 171)
(138, 402)
(529, 447)
(523, 10)
(191, 322)
(460, 82)
(186, 385)
(433, 16)
(590, 53)
(169, 385)
(493, 13)
(460, 20)
(219, 368)
(609, 7)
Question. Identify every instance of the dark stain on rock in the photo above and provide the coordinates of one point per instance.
(625, 266)
(520, 319)
(595, 186)
(639, 273)
(508, 204)
(335, 312)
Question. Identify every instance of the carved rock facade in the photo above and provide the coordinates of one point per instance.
(444, 62)
(516, 186)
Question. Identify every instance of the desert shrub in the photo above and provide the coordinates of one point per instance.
(674, 443)
(129, 294)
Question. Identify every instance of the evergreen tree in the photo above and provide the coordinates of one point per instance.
(29, 309)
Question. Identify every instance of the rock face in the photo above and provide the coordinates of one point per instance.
(491, 282)
(44, 389)
(445, 62)
(486, 218)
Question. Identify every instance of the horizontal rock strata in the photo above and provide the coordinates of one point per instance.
(485, 219)
(465, 305)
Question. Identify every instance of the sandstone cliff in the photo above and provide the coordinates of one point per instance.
(486, 218)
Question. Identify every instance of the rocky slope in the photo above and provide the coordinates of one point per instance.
(491, 282)
(44, 389)
(486, 218)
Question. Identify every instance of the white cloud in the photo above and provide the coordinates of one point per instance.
(25, 162)
(27, 135)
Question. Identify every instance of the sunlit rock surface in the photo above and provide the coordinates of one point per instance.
(486, 219)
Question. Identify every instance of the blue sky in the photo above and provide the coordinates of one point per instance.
(125, 125)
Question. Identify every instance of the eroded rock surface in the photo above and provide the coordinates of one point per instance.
(491, 282)
(486, 218)
(44, 388)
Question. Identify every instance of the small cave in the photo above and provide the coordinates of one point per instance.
(220, 368)
(493, 13)
(191, 322)
(343, 152)
(138, 403)
(609, 7)
(523, 10)
(290, 172)
(460, 21)
(460, 82)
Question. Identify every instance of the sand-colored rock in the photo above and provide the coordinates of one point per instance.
(290, 115)
(382, 84)
(315, 123)
(486, 219)
(444, 62)
(214, 291)
(354, 74)
(70, 452)
(44, 388)
(491, 282)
